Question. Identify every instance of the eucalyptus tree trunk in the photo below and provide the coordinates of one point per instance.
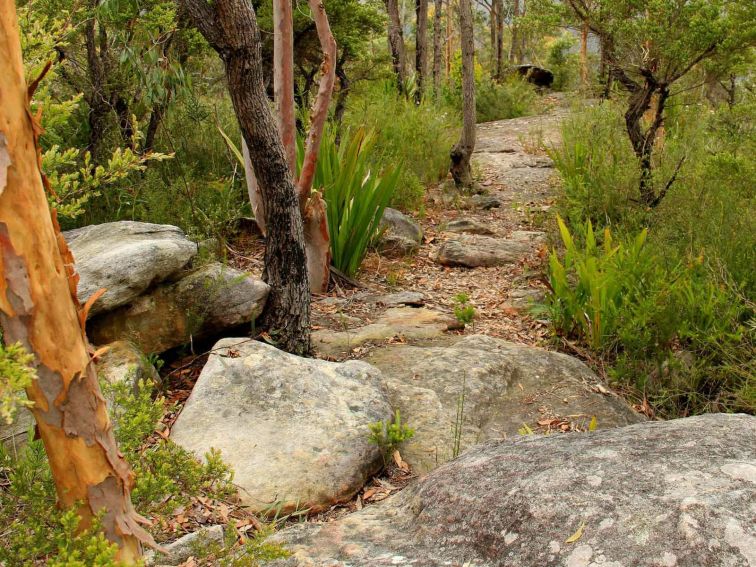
(437, 46)
(494, 33)
(461, 153)
(421, 47)
(39, 309)
(230, 27)
(515, 50)
(396, 42)
(584, 55)
(499, 39)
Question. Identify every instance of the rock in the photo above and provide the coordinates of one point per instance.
(472, 251)
(124, 362)
(294, 430)
(505, 386)
(15, 434)
(485, 202)
(537, 76)
(525, 298)
(407, 322)
(213, 298)
(126, 258)
(408, 298)
(401, 236)
(182, 549)
(467, 226)
(677, 493)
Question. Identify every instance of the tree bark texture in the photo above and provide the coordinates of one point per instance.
(39, 309)
(396, 42)
(421, 47)
(584, 55)
(499, 48)
(230, 27)
(461, 153)
(437, 46)
(515, 50)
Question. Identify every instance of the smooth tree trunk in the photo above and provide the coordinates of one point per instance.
(421, 47)
(515, 50)
(283, 78)
(39, 309)
(493, 31)
(461, 153)
(230, 27)
(499, 73)
(437, 46)
(313, 206)
(584, 55)
(396, 43)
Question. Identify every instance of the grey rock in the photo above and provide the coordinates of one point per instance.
(658, 494)
(294, 430)
(401, 236)
(525, 298)
(485, 202)
(409, 323)
(505, 385)
(124, 362)
(210, 299)
(14, 435)
(467, 226)
(126, 258)
(472, 251)
(185, 547)
(408, 298)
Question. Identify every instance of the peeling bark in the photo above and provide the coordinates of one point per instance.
(317, 244)
(421, 47)
(283, 78)
(39, 309)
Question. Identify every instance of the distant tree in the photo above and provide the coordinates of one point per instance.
(461, 153)
(396, 43)
(438, 42)
(421, 47)
(39, 310)
(230, 27)
(650, 46)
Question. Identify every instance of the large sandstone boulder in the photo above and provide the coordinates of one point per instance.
(14, 435)
(468, 226)
(126, 258)
(505, 386)
(401, 234)
(295, 430)
(659, 494)
(204, 302)
(472, 251)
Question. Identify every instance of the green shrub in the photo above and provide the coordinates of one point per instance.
(390, 434)
(15, 375)
(499, 101)
(417, 136)
(356, 195)
(463, 311)
(562, 63)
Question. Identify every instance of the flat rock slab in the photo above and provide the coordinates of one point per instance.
(206, 301)
(126, 258)
(468, 226)
(505, 386)
(410, 323)
(658, 494)
(472, 251)
(294, 430)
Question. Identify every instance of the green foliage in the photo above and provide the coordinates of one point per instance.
(253, 552)
(499, 101)
(591, 285)
(16, 374)
(564, 65)
(463, 310)
(390, 434)
(417, 136)
(355, 195)
(674, 322)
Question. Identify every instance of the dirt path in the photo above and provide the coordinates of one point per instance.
(518, 180)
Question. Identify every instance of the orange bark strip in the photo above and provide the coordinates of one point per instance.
(283, 78)
(38, 308)
(323, 99)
